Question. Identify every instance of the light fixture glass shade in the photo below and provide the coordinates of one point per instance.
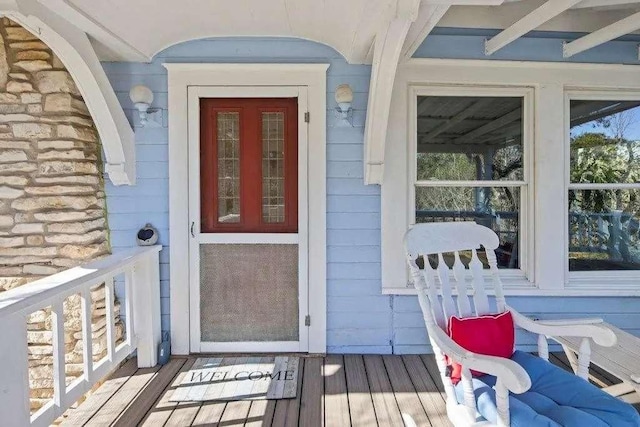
(344, 94)
(140, 94)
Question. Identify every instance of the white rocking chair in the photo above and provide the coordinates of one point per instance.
(437, 304)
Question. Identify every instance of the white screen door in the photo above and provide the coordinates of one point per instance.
(248, 209)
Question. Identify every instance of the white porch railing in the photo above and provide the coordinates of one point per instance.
(140, 267)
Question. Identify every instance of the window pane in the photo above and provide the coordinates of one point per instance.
(494, 207)
(604, 141)
(604, 230)
(228, 125)
(469, 138)
(273, 167)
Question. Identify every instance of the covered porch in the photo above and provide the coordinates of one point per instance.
(424, 137)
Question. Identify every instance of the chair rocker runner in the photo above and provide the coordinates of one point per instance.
(524, 390)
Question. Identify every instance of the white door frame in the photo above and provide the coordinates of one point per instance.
(224, 77)
(195, 93)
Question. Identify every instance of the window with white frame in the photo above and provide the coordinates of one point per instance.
(604, 184)
(546, 154)
(469, 163)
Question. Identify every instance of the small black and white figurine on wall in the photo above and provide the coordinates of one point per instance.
(147, 236)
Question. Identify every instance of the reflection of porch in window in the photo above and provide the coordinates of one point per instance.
(469, 164)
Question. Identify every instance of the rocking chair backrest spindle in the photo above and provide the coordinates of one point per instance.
(441, 238)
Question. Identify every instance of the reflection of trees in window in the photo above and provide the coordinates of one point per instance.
(603, 200)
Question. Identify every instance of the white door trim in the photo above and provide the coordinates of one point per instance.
(224, 77)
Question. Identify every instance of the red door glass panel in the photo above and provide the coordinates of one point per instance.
(249, 165)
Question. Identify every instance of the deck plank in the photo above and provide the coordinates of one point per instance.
(260, 413)
(139, 407)
(430, 363)
(121, 399)
(336, 402)
(384, 401)
(183, 414)
(404, 391)
(361, 408)
(287, 411)
(161, 410)
(235, 413)
(427, 390)
(311, 410)
(209, 413)
(83, 413)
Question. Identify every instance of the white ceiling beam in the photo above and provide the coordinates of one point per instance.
(90, 26)
(74, 49)
(428, 17)
(533, 20)
(386, 54)
(604, 3)
(603, 35)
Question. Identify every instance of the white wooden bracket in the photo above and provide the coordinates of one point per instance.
(386, 53)
(74, 49)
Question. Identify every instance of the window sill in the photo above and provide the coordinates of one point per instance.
(575, 288)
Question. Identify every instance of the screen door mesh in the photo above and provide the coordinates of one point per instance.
(248, 292)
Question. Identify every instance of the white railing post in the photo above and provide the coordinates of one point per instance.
(146, 303)
(14, 376)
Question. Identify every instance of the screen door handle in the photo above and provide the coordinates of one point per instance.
(192, 234)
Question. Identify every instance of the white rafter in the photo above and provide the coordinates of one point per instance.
(533, 20)
(603, 35)
(428, 17)
(604, 3)
(74, 49)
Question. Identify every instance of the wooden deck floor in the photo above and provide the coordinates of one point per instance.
(336, 390)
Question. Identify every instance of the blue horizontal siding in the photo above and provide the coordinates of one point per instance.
(353, 220)
(360, 319)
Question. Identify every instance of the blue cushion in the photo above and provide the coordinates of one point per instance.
(556, 398)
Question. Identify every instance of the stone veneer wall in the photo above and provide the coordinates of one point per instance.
(52, 200)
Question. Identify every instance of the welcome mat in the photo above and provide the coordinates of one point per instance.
(239, 378)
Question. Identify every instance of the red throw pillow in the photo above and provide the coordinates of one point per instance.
(491, 334)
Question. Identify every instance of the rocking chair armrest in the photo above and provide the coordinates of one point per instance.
(512, 375)
(586, 328)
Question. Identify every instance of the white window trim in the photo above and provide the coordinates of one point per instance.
(180, 78)
(550, 82)
(526, 244)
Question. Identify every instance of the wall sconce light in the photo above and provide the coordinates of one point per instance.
(344, 112)
(142, 97)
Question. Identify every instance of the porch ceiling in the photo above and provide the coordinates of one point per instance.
(380, 32)
(135, 30)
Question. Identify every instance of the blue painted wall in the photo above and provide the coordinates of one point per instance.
(360, 319)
